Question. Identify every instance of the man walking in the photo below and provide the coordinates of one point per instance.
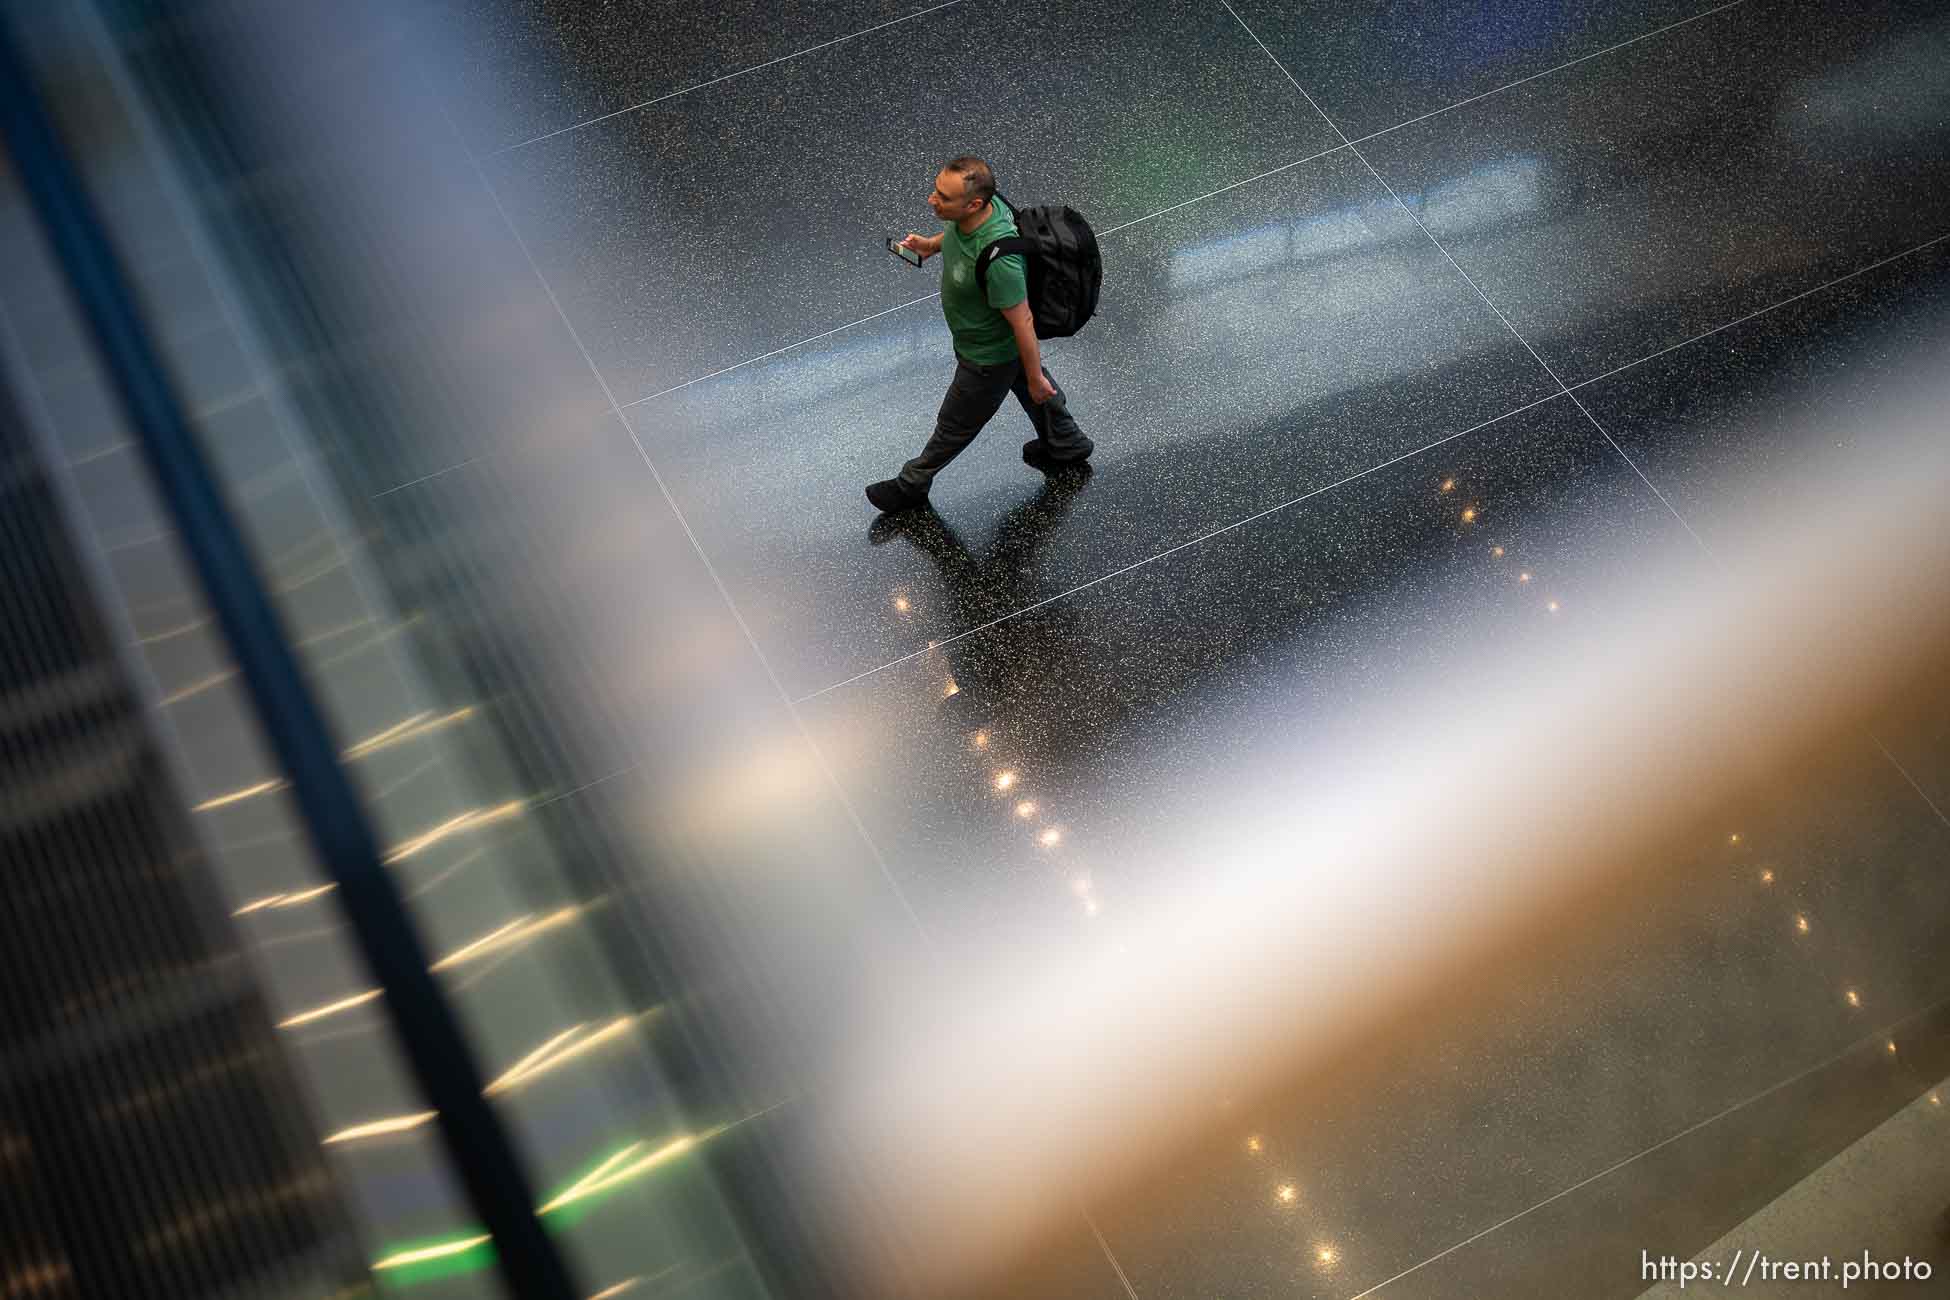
(996, 349)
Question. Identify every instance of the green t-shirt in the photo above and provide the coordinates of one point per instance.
(981, 334)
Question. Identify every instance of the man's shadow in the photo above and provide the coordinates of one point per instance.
(978, 592)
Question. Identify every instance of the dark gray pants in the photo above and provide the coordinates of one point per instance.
(974, 396)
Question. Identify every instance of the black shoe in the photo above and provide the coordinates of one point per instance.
(1036, 455)
(890, 496)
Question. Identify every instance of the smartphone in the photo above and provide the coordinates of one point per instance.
(907, 255)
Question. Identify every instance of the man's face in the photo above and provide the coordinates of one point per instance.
(950, 199)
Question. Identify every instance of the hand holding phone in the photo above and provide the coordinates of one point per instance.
(905, 254)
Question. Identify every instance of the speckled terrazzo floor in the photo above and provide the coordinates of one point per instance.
(1593, 274)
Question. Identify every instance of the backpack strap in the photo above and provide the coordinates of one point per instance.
(1000, 248)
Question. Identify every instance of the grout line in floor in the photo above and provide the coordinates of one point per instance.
(427, 478)
(1584, 58)
(1570, 391)
(724, 593)
(1346, 143)
(1920, 791)
(1194, 541)
(779, 351)
(756, 67)
(1753, 315)
(831, 778)
(1285, 167)
(1706, 550)
(1563, 389)
(1853, 1047)
(1110, 1255)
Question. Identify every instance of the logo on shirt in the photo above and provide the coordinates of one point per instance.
(962, 273)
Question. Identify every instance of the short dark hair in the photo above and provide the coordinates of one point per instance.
(975, 175)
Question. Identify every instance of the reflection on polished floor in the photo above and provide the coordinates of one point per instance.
(1425, 329)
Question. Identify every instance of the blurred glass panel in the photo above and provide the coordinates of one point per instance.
(295, 381)
(247, 834)
(153, 1137)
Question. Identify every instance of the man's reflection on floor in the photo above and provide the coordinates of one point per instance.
(977, 592)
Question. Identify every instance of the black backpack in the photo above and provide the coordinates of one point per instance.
(1062, 266)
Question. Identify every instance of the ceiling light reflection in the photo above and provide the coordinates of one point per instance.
(381, 737)
(610, 1292)
(238, 796)
(170, 633)
(329, 1009)
(198, 687)
(595, 1175)
(466, 951)
(556, 1053)
(379, 1127)
(471, 820)
(602, 1176)
(515, 1071)
(424, 1253)
(420, 724)
(516, 931)
(619, 1167)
